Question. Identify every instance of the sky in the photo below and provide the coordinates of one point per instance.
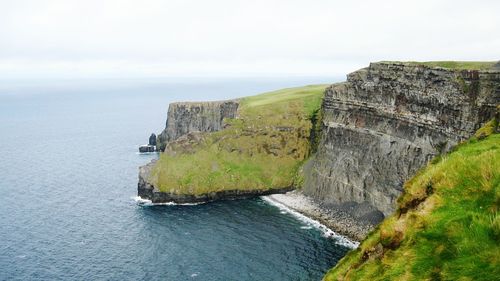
(233, 38)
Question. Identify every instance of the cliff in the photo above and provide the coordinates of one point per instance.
(186, 117)
(386, 122)
(447, 224)
(370, 134)
(232, 149)
(352, 146)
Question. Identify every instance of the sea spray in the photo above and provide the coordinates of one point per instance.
(327, 232)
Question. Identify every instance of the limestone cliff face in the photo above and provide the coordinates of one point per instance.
(386, 122)
(187, 117)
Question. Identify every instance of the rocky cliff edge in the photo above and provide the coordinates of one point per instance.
(385, 123)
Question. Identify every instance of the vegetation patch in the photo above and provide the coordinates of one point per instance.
(456, 65)
(263, 148)
(447, 226)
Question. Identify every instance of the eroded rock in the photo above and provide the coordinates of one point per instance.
(386, 122)
(187, 117)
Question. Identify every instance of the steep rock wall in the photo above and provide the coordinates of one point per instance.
(385, 123)
(187, 117)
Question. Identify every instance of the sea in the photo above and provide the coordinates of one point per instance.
(68, 183)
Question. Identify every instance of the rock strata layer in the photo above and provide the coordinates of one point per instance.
(187, 117)
(386, 122)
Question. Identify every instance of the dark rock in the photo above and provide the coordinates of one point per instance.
(147, 148)
(152, 139)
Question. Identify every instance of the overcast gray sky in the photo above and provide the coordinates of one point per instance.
(120, 38)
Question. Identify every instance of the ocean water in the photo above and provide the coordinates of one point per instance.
(68, 175)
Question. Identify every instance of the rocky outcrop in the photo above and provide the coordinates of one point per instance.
(152, 139)
(185, 127)
(386, 122)
(147, 148)
(150, 147)
(186, 117)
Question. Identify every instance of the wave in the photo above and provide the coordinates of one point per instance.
(310, 223)
(146, 202)
(327, 232)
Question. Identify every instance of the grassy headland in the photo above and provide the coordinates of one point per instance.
(447, 226)
(261, 149)
(456, 65)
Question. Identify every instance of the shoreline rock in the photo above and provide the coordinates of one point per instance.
(147, 148)
(337, 220)
(150, 147)
(152, 139)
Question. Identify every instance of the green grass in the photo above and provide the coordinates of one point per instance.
(309, 97)
(447, 226)
(457, 65)
(261, 149)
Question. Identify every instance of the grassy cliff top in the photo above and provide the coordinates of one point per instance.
(262, 148)
(456, 65)
(309, 96)
(447, 226)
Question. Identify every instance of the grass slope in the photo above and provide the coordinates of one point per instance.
(458, 65)
(447, 226)
(261, 149)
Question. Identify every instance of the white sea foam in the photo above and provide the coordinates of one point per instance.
(327, 232)
(141, 201)
(143, 153)
(147, 202)
(310, 223)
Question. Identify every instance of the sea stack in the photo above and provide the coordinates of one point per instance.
(152, 139)
(151, 146)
